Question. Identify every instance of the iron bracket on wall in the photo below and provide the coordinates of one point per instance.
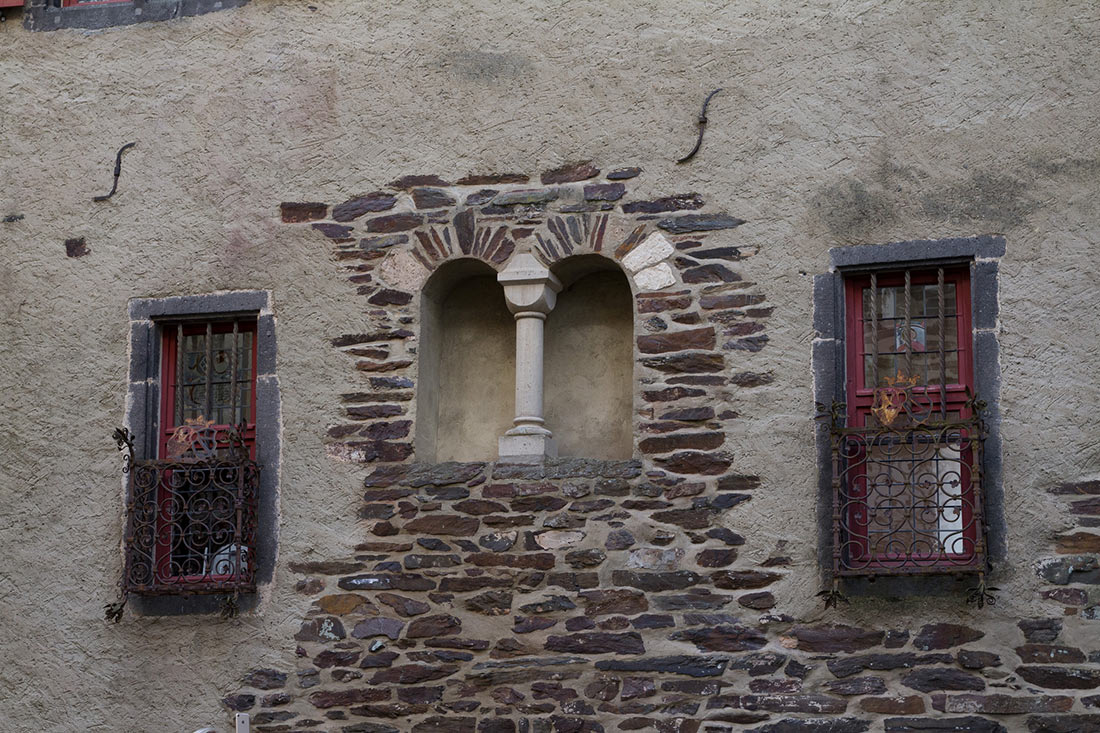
(118, 171)
(702, 122)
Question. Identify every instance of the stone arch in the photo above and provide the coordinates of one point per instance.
(589, 359)
(466, 364)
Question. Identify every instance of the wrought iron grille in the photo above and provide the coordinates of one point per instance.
(907, 447)
(191, 518)
(907, 489)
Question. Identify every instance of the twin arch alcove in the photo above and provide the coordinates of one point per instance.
(467, 362)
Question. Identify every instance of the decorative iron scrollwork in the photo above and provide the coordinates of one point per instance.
(907, 488)
(191, 518)
(125, 440)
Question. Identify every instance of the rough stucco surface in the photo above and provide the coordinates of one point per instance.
(839, 123)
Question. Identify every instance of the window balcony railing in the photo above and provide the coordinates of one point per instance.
(191, 518)
(907, 487)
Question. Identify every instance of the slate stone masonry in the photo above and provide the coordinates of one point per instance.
(587, 595)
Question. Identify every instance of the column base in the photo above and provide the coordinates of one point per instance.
(526, 448)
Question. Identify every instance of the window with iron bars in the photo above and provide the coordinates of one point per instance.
(906, 446)
(192, 511)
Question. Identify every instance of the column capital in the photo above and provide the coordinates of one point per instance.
(529, 286)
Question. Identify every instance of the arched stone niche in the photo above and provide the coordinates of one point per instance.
(467, 364)
(589, 360)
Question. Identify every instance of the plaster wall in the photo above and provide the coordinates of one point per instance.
(839, 123)
(477, 371)
(589, 375)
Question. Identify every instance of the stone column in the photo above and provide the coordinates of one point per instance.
(531, 292)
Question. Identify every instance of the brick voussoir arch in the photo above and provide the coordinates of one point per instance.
(691, 306)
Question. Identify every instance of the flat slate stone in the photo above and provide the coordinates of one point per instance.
(699, 223)
(690, 665)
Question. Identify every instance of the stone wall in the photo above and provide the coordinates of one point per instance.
(839, 123)
(590, 595)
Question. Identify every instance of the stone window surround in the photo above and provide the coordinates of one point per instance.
(143, 416)
(983, 253)
(49, 15)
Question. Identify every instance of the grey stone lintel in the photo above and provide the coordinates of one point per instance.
(48, 15)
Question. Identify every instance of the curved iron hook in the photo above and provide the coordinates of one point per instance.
(702, 126)
(118, 170)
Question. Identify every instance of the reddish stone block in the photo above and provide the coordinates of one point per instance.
(699, 338)
(945, 636)
(394, 223)
(597, 643)
(604, 191)
(977, 660)
(1088, 507)
(723, 638)
(1049, 654)
(332, 658)
(1070, 678)
(1078, 542)
(479, 507)
(356, 206)
(570, 173)
(835, 638)
(611, 601)
(898, 705)
(239, 703)
(730, 300)
(857, 686)
(744, 579)
(660, 305)
(412, 181)
(444, 524)
(293, 212)
(333, 698)
(432, 198)
(491, 179)
(757, 601)
(403, 606)
(970, 724)
(1068, 596)
(687, 363)
(716, 558)
(940, 678)
(1040, 630)
(712, 273)
(491, 603)
(440, 625)
(693, 463)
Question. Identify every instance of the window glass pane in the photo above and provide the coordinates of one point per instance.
(914, 350)
(192, 378)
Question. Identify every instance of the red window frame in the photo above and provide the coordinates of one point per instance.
(952, 397)
(168, 425)
(169, 353)
(860, 395)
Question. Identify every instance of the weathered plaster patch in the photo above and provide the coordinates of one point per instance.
(403, 271)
